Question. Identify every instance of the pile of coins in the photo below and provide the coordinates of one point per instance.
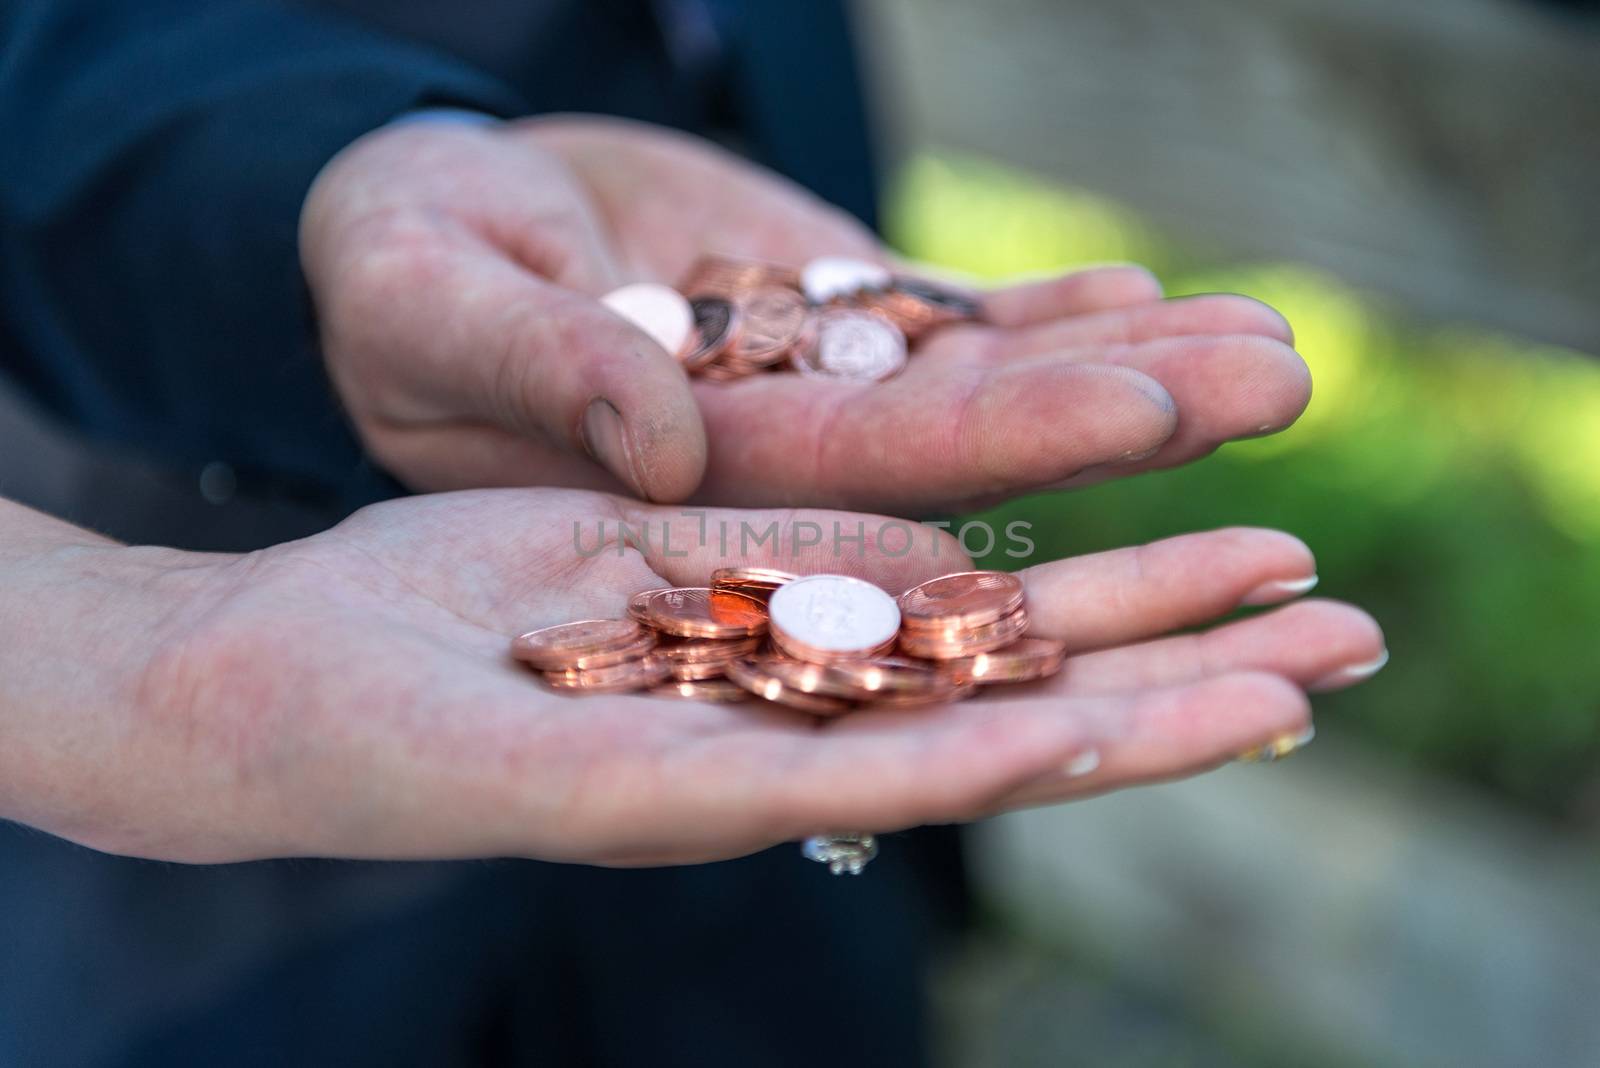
(823, 644)
(834, 318)
(827, 645)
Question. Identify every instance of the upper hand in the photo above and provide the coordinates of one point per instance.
(455, 269)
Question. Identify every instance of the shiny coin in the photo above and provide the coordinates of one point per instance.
(757, 676)
(832, 617)
(721, 372)
(707, 650)
(952, 603)
(959, 689)
(696, 670)
(856, 345)
(774, 322)
(867, 680)
(941, 299)
(615, 678)
(717, 324)
(638, 602)
(830, 277)
(698, 612)
(917, 307)
(586, 644)
(1021, 661)
(659, 311)
(758, 582)
(717, 691)
(947, 645)
(731, 279)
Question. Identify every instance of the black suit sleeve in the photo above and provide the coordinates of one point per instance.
(153, 158)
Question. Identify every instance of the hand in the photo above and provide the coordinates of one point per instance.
(351, 695)
(454, 270)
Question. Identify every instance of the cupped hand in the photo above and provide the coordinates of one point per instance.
(455, 267)
(352, 695)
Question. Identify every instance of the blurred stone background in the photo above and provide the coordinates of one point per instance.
(1415, 186)
(1444, 152)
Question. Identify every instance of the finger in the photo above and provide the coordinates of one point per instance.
(885, 771)
(931, 436)
(684, 545)
(1176, 732)
(1226, 388)
(1132, 594)
(1321, 644)
(1222, 313)
(476, 339)
(1081, 292)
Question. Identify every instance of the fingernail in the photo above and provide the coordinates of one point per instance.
(1278, 591)
(1279, 748)
(1347, 675)
(1139, 454)
(605, 439)
(1081, 764)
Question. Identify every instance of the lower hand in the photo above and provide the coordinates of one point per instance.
(350, 695)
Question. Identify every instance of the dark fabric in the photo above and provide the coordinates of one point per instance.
(157, 153)
(153, 157)
(763, 961)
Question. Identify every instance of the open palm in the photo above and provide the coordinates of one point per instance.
(352, 694)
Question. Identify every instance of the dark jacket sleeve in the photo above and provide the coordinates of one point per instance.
(153, 159)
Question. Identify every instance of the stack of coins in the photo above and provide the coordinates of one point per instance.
(823, 644)
(834, 318)
(827, 645)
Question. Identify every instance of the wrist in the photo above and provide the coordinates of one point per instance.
(82, 623)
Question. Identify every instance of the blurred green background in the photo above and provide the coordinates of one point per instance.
(1447, 477)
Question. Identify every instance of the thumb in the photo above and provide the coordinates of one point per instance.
(570, 369)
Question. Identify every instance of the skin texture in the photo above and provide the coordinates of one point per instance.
(455, 267)
(352, 695)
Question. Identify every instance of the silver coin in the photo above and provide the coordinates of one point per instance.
(658, 310)
(829, 277)
(834, 614)
(855, 345)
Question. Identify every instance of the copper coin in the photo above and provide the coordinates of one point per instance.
(587, 643)
(698, 669)
(832, 617)
(699, 612)
(615, 678)
(707, 650)
(960, 689)
(945, 645)
(717, 325)
(917, 306)
(1021, 661)
(637, 603)
(757, 582)
(867, 680)
(720, 372)
(731, 279)
(857, 345)
(774, 322)
(655, 309)
(757, 676)
(717, 691)
(960, 601)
